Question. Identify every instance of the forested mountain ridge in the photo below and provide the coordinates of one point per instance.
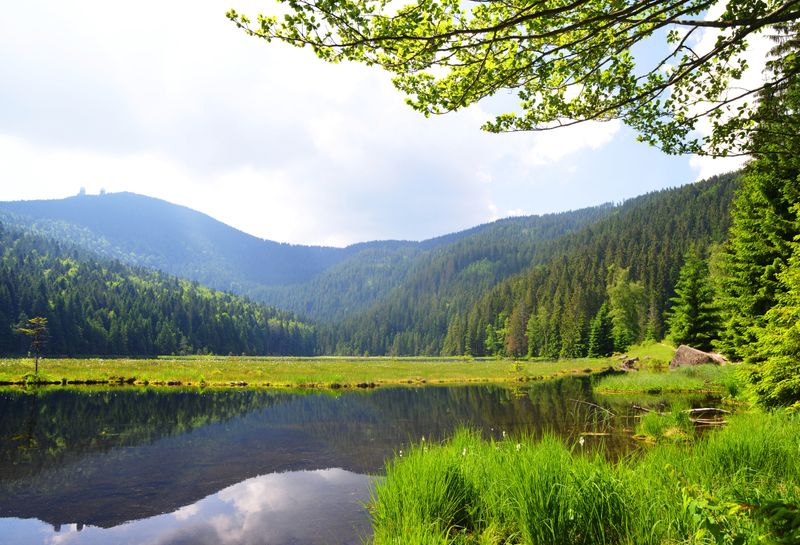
(446, 305)
(153, 233)
(518, 286)
(319, 283)
(636, 254)
(478, 257)
(98, 306)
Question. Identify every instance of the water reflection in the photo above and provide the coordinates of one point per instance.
(105, 458)
(309, 507)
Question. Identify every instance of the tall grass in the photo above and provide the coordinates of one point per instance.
(674, 425)
(472, 491)
(720, 379)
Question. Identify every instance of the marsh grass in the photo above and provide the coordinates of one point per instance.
(473, 491)
(674, 425)
(323, 372)
(713, 379)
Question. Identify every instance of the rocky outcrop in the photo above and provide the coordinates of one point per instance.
(686, 355)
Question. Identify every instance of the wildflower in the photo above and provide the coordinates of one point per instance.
(401, 453)
(464, 451)
(518, 446)
(504, 434)
(581, 441)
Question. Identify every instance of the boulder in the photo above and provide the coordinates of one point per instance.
(686, 355)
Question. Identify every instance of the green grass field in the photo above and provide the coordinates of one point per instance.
(333, 372)
(738, 485)
(714, 379)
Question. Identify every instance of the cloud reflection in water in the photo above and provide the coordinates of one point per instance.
(302, 507)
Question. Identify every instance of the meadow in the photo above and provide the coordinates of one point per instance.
(285, 372)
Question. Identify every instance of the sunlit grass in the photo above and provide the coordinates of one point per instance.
(716, 379)
(323, 372)
(519, 491)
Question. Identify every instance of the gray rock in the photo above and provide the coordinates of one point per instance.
(686, 355)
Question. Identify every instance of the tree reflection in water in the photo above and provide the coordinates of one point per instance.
(104, 458)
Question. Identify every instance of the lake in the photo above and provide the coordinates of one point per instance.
(249, 467)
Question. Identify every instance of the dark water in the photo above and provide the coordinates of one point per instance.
(243, 467)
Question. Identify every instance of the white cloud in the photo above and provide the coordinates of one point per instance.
(171, 100)
(186, 512)
(707, 167)
(554, 145)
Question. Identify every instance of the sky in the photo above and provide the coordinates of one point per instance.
(170, 100)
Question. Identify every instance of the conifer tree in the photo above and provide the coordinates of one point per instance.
(626, 301)
(764, 225)
(516, 339)
(535, 333)
(601, 341)
(693, 319)
(777, 380)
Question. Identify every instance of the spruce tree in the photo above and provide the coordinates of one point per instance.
(693, 319)
(777, 380)
(601, 341)
(763, 221)
(625, 304)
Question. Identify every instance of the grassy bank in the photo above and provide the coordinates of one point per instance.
(287, 372)
(722, 488)
(713, 379)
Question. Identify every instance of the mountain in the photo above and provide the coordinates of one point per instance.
(495, 280)
(318, 283)
(472, 260)
(98, 306)
(519, 286)
(153, 233)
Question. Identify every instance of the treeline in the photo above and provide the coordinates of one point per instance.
(462, 301)
(95, 306)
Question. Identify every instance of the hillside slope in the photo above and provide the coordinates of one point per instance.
(153, 233)
(318, 283)
(97, 306)
(471, 260)
(446, 305)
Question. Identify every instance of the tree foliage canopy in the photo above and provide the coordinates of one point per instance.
(568, 61)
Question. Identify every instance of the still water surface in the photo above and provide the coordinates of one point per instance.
(244, 467)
